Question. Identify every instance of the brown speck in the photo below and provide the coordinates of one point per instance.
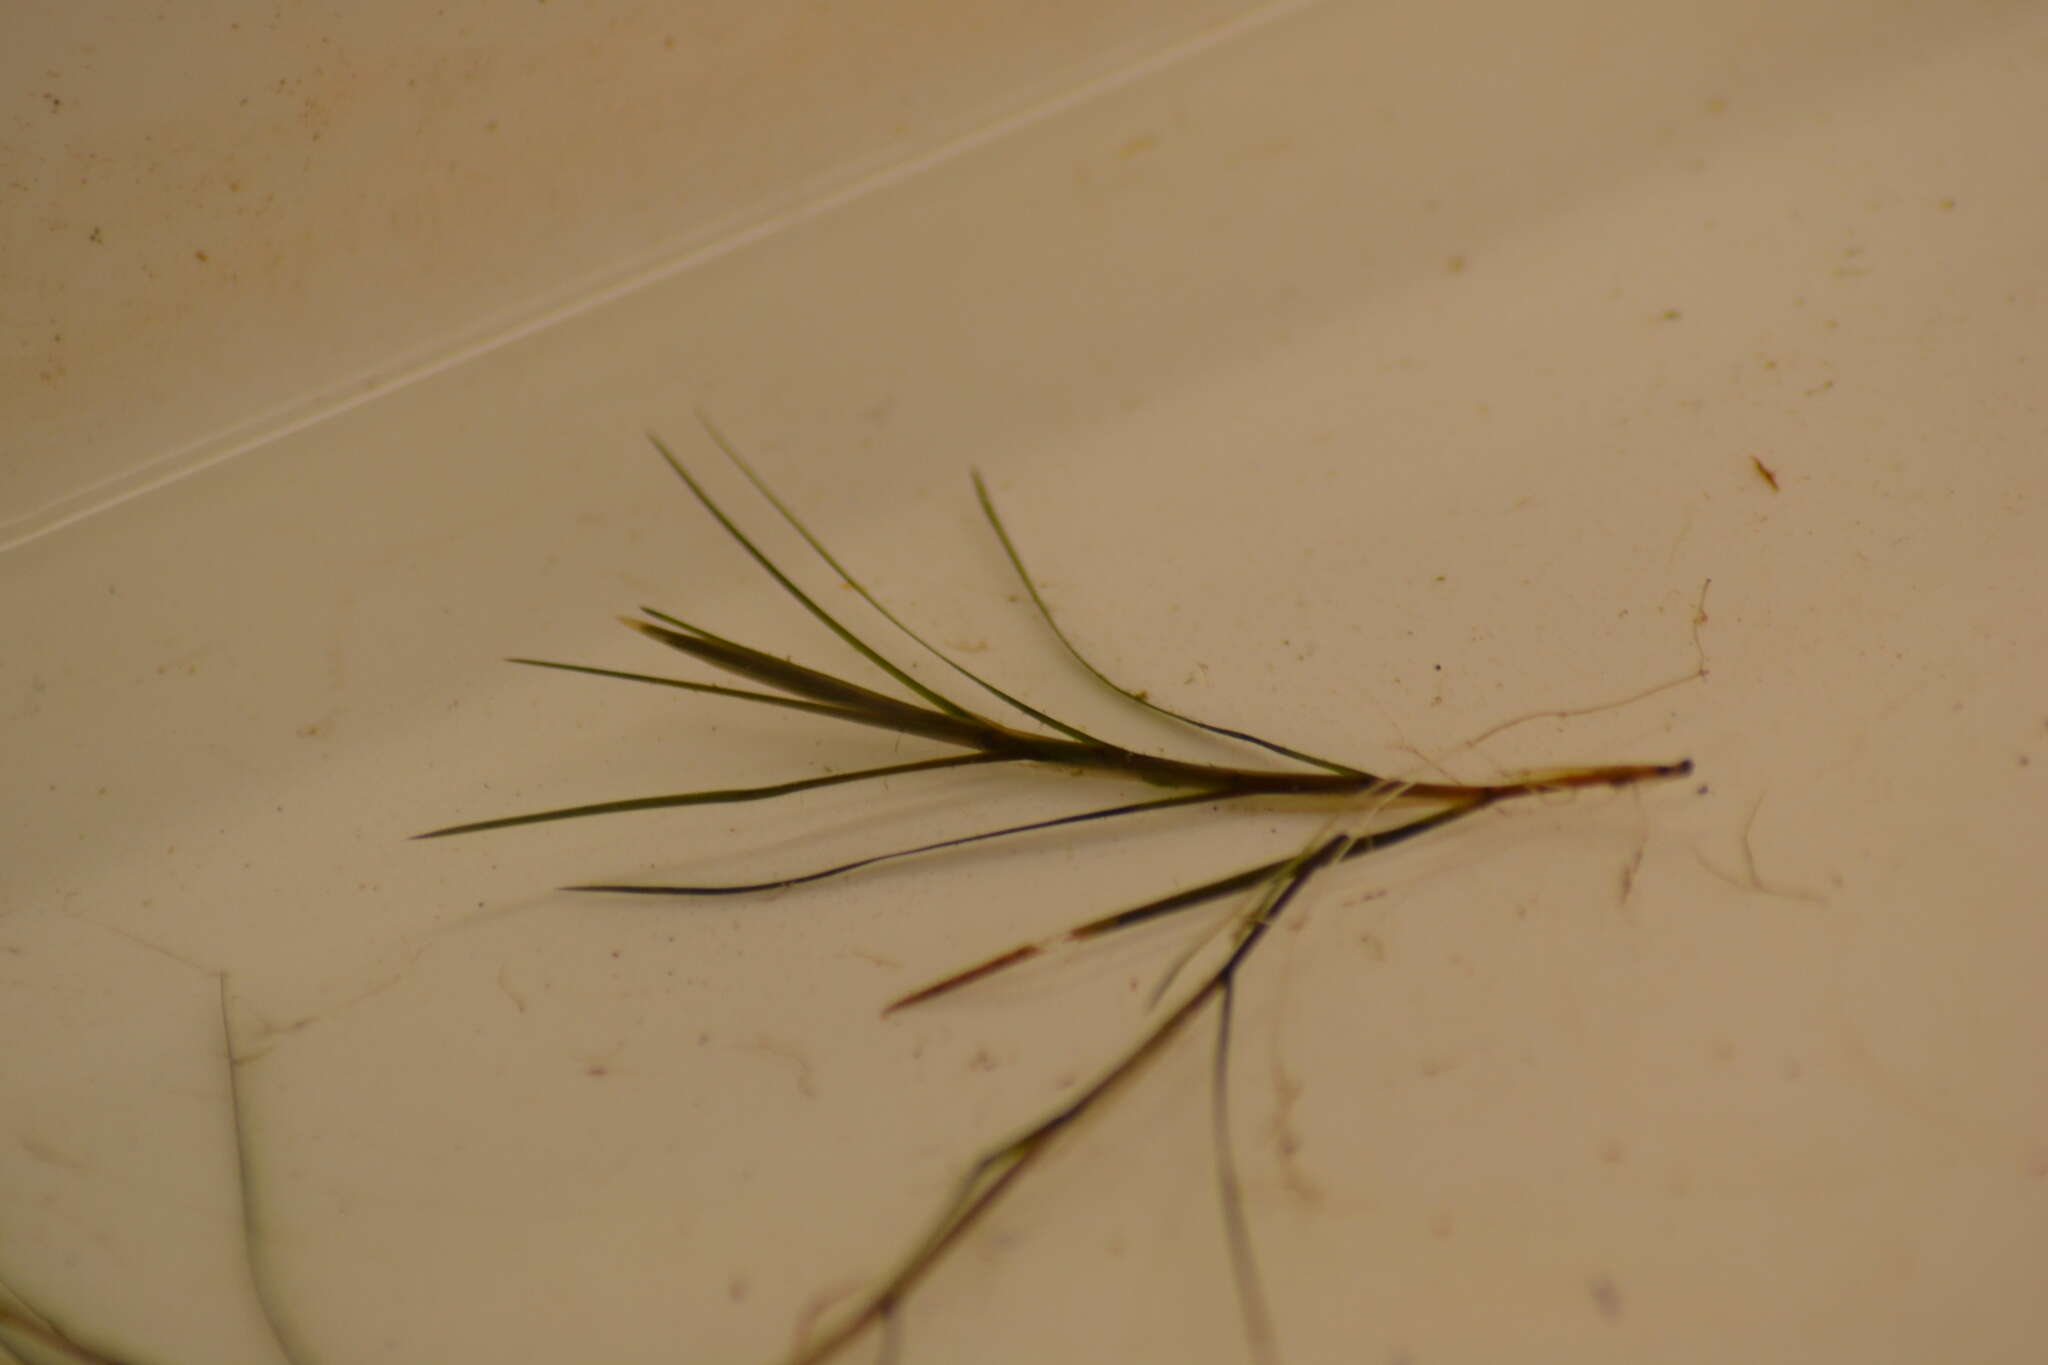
(1628, 873)
(1454, 265)
(201, 256)
(1764, 472)
(95, 238)
(1606, 1297)
(505, 985)
(55, 1156)
(1669, 315)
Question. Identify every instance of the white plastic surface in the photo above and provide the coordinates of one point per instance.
(225, 219)
(1370, 380)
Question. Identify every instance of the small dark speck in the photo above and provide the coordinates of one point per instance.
(1606, 1297)
(95, 237)
(201, 256)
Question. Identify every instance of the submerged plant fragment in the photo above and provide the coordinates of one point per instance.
(1369, 813)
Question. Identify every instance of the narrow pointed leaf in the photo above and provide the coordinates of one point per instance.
(888, 712)
(988, 509)
(789, 586)
(1175, 901)
(1072, 732)
(739, 693)
(711, 798)
(1111, 812)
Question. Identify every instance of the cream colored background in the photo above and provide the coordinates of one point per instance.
(226, 220)
(1368, 377)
